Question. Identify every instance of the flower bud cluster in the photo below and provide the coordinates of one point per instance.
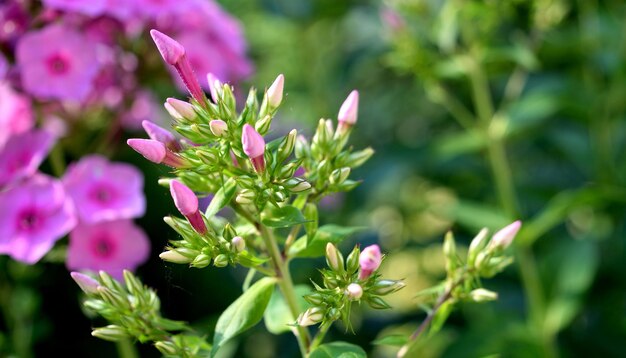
(354, 279)
(132, 310)
(485, 258)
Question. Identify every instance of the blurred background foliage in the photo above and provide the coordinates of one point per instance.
(480, 112)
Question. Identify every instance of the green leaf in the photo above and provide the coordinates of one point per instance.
(246, 259)
(396, 340)
(477, 216)
(277, 315)
(325, 234)
(338, 350)
(244, 313)
(440, 317)
(222, 197)
(285, 216)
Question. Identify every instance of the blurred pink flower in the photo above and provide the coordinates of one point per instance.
(143, 108)
(104, 190)
(109, 246)
(35, 214)
(57, 62)
(14, 19)
(22, 154)
(90, 8)
(16, 115)
(4, 66)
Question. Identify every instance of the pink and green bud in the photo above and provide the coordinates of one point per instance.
(334, 258)
(187, 203)
(180, 109)
(503, 238)
(156, 152)
(369, 261)
(238, 244)
(215, 86)
(218, 127)
(160, 134)
(254, 147)
(349, 109)
(174, 54)
(354, 291)
(86, 283)
(275, 92)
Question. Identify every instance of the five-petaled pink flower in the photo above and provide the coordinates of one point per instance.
(35, 214)
(109, 246)
(22, 155)
(57, 62)
(104, 190)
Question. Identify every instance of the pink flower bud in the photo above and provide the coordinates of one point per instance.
(155, 152)
(174, 54)
(369, 261)
(275, 92)
(185, 200)
(86, 283)
(215, 86)
(349, 109)
(238, 243)
(354, 291)
(180, 109)
(218, 127)
(254, 147)
(505, 236)
(170, 49)
(161, 135)
(187, 203)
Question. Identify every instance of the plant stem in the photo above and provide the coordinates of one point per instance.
(57, 160)
(286, 284)
(126, 349)
(426, 322)
(319, 337)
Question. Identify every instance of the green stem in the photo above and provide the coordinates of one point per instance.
(126, 349)
(319, 337)
(57, 160)
(286, 285)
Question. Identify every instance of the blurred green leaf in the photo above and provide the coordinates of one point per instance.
(338, 350)
(277, 316)
(477, 216)
(396, 340)
(244, 313)
(325, 234)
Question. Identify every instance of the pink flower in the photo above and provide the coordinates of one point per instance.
(369, 261)
(90, 8)
(57, 62)
(4, 67)
(254, 147)
(35, 214)
(504, 237)
(16, 115)
(104, 190)
(22, 155)
(14, 19)
(111, 246)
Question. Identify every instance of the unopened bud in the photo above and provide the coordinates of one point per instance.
(302, 149)
(215, 86)
(286, 146)
(377, 303)
(310, 317)
(385, 287)
(449, 251)
(180, 109)
(110, 333)
(352, 262)
(263, 124)
(354, 291)
(334, 258)
(220, 260)
(338, 176)
(156, 152)
(503, 238)
(275, 92)
(254, 147)
(483, 295)
(184, 199)
(314, 298)
(369, 261)
(160, 134)
(477, 244)
(245, 196)
(238, 244)
(218, 127)
(297, 185)
(167, 348)
(201, 261)
(357, 159)
(175, 257)
(349, 109)
(86, 283)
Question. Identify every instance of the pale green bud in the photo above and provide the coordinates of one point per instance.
(296, 185)
(334, 258)
(483, 295)
(377, 303)
(201, 261)
(111, 333)
(286, 146)
(352, 262)
(449, 251)
(218, 127)
(245, 196)
(220, 260)
(357, 159)
(338, 176)
(167, 348)
(112, 298)
(311, 316)
(477, 244)
(262, 126)
(385, 287)
(314, 298)
(175, 257)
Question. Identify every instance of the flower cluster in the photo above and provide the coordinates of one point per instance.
(354, 280)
